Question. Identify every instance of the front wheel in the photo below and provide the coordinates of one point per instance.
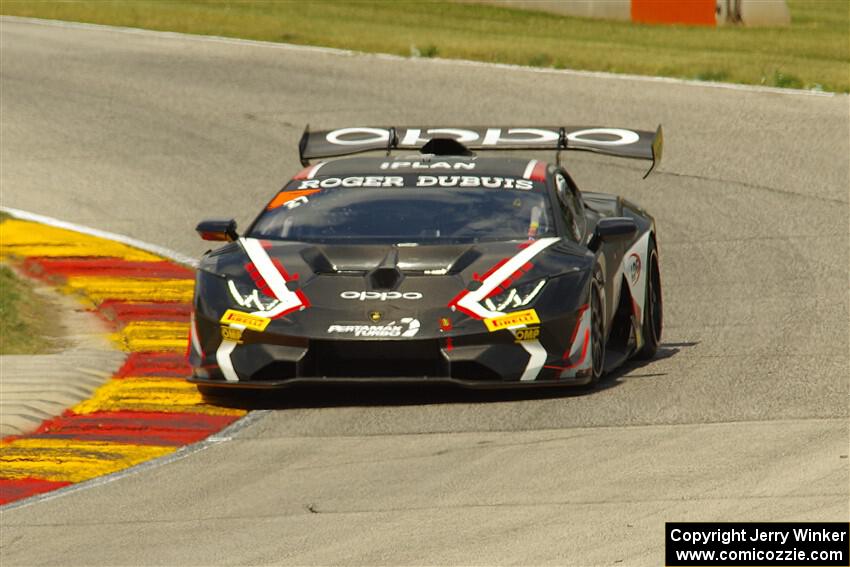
(653, 312)
(597, 327)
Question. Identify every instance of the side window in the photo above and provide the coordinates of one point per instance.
(570, 207)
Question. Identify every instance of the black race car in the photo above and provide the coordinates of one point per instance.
(433, 266)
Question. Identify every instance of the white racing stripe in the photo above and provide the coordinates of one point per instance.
(289, 300)
(529, 169)
(470, 301)
(222, 357)
(193, 334)
(536, 353)
(536, 359)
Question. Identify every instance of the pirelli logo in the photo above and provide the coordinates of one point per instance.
(527, 317)
(247, 320)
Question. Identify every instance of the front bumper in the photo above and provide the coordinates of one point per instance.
(386, 381)
(428, 361)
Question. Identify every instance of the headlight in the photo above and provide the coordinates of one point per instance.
(515, 298)
(245, 295)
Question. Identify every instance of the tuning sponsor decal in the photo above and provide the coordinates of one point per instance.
(406, 327)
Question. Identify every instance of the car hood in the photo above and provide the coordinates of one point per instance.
(347, 285)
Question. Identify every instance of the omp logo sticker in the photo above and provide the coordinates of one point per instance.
(527, 317)
(249, 321)
(527, 334)
(406, 327)
(633, 268)
(231, 334)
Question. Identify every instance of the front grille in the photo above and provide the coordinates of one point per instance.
(471, 371)
(274, 371)
(379, 359)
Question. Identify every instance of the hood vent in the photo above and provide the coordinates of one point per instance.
(385, 278)
(317, 261)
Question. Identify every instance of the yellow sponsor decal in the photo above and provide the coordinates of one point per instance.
(527, 334)
(231, 334)
(527, 317)
(247, 320)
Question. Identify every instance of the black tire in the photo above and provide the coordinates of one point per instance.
(653, 307)
(597, 327)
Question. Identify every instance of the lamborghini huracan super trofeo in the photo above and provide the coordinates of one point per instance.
(432, 264)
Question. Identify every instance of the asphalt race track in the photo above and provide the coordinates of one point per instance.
(744, 415)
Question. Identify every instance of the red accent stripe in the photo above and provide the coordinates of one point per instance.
(581, 311)
(583, 354)
(112, 267)
(466, 311)
(489, 272)
(282, 270)
(303, 173)
(539, 172)
(304, 300)
(11, 490)
(138, 428)
(258, 280)
(154, 364)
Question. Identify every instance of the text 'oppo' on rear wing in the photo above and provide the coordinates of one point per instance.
(619, 142)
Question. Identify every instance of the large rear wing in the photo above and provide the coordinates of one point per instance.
(619, 142)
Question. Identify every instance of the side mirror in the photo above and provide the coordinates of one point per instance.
(218, 230)
(612, 229)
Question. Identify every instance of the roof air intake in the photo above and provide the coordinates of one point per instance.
(445, 147)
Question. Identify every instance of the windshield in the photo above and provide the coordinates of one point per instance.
(381, 215)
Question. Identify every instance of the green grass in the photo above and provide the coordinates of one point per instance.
(27, 322)
(813, 53)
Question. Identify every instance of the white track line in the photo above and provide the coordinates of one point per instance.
(432, 61)
(50, 221)
(222, 436)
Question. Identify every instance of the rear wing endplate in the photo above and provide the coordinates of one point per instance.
(619, 142)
